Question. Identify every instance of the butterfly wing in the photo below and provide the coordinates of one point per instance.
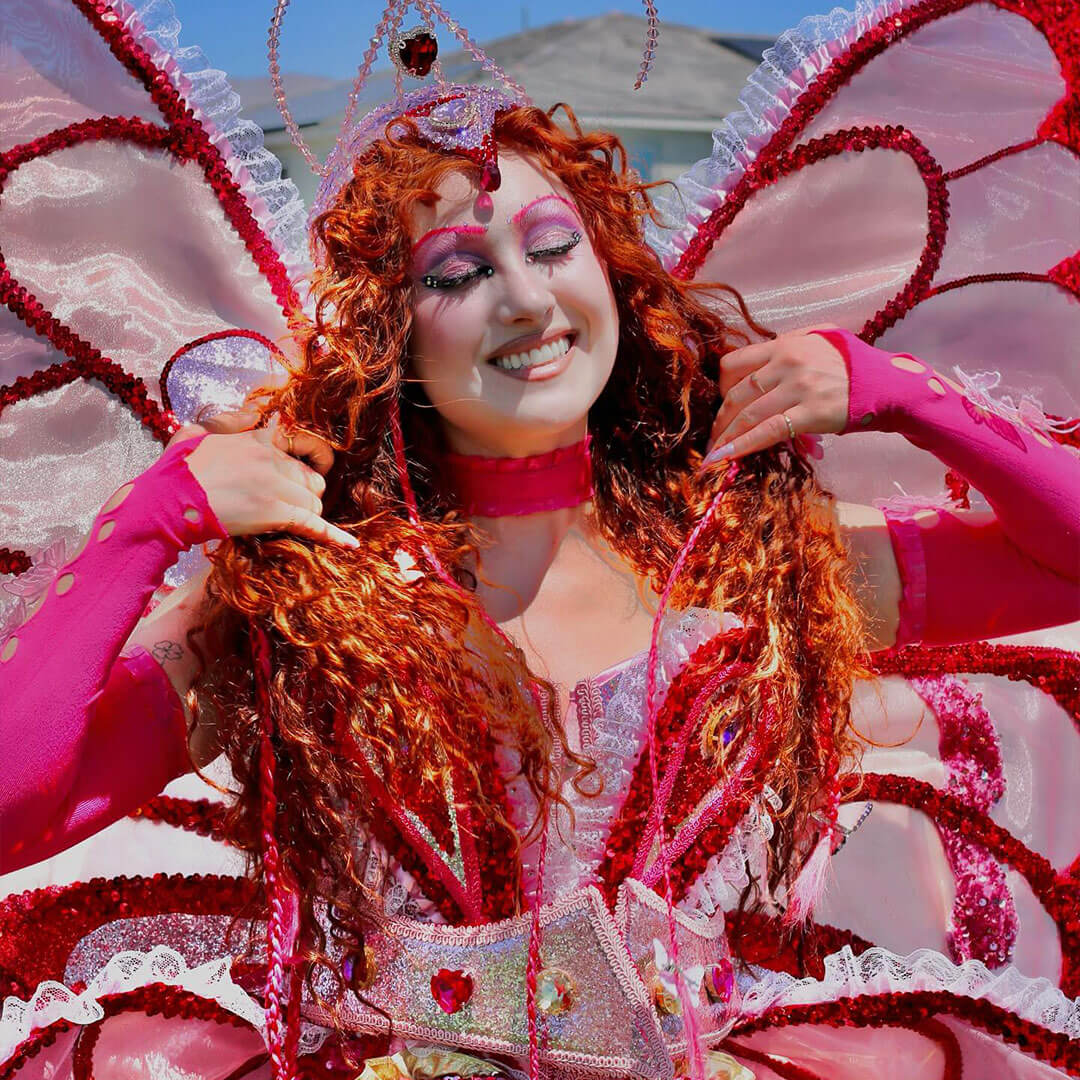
(142, 225)
(911, 171)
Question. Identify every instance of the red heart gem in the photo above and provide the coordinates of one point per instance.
(451, 989)
(417, 53)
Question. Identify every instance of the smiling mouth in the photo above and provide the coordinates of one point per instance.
(546, 353)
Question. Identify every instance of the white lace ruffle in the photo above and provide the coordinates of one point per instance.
(276, 203)
(878, 971)
(797, 58)
(744, 859)
(127, 971)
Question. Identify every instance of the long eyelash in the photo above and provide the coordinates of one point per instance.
(559, 249)
(433, 282)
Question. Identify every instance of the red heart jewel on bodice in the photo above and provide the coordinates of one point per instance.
(451, 989)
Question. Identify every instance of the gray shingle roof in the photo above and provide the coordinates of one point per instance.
(589, 63)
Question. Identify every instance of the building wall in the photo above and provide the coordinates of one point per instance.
(656, 154)
(664, 155)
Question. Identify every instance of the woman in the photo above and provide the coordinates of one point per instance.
(436, 557)
(407, 613)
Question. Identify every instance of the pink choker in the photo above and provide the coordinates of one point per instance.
(513, 487)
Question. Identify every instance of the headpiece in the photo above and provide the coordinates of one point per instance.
(454, 116)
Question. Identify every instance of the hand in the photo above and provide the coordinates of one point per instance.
(255, 480)
(777, 390)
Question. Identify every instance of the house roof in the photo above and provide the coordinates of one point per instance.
(589, 63)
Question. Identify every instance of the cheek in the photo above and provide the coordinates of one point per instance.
(595, 297)
(445, 333)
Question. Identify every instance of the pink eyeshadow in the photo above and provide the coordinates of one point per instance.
(526, 211)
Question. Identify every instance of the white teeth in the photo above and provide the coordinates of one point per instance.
(542, 355)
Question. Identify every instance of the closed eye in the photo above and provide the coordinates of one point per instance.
(555, 250)
(455, 281)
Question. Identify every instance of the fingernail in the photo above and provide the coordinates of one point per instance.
(719, 453)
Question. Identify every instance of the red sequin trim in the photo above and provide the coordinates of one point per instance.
(1057, 20)
(163, 379)
(989, 159)
(982, 279)
(13, 561)
(909, 1009)
(767, 168)
(1058, 893)
(199, 816)
(187, 140)
(39, 929)
(1054, 671)
(191, 142)
(1067, 274)
(157, 999)
(695, 775)
(763, 940)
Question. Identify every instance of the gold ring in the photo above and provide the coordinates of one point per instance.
(288, 445)
(790, 426)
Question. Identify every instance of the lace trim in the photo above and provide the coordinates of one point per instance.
(878, 971)
(276, 203)
(745, 858)
(128, 971)
(797, 58)
(617, 735)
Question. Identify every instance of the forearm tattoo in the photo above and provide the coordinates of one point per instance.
(167, 650)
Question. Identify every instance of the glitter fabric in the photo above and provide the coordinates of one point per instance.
(984, 921)
(611, 1025)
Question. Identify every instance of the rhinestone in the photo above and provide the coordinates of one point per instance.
(451, 989)
(555, 991)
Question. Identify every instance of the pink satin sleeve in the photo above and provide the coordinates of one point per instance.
(87, 736)
(1029, 480)
(965, 580)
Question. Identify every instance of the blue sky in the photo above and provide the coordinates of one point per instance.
(327, 37)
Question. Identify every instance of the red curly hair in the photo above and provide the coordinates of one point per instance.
(372, 674)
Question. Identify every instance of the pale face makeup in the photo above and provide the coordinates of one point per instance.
(515, 328)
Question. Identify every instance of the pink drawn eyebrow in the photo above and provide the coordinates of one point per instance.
(466, 230)
(543, 198)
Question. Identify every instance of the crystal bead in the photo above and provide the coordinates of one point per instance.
(555, 991)
(720, 982)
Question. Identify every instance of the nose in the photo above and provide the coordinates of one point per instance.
(525, 298)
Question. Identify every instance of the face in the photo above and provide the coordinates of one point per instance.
(515, 327)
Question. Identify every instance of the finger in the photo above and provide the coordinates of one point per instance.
(772, 431)
(298, 496)
(230, 421)
(301, 444)
(779, 399)
(756, 385)
(297, 472)
(304, 523)
(736, 365)
(312, 448)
